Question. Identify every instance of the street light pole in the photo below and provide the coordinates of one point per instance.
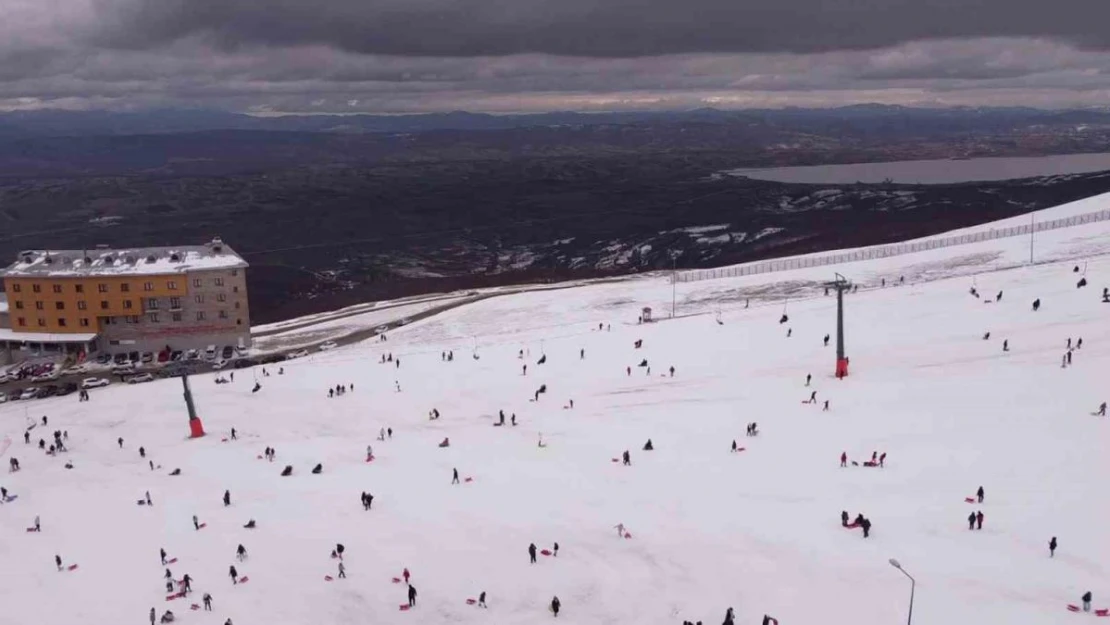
(913, 586)
(674, 283)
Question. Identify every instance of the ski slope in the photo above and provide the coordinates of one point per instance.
(757, 530)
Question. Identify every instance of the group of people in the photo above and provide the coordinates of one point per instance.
(340, 390)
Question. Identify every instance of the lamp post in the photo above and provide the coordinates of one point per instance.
(913, 586)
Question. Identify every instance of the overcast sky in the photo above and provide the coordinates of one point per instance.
(387, 56)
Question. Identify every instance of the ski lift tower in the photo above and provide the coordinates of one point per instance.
(196, 428)
(841, 285)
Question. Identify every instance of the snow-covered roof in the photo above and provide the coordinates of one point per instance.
(139, 261)
(7, 334)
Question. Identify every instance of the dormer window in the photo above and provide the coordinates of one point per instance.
(175, 258)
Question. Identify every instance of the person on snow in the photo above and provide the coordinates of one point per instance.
(187, 582)
(318, 469)
(859, 519)
(339, 549)
(207, 598)
(672, 371)
(1052, 547)
(1086, 601)
(153, 616)
(979, 494)
(1006, 345)
(844, 518)
(1079, 343)
(987, 336)
(58, 561)
(729, 617)
(482, 600)
(809, 377)
(168, 575)
(1101, 410)
(148, 500)
(826, 408)
(513, 419)
(648, 446)
(734, 445)
(233, 574)
(250, 525)
(227, 498)
(979, 519)
(1036, 304)
(843, 458)
(556, 604)
(13, 465)
(168, 617)
(342, 571)
(412, 596)
(866, 525)
(142, 452)
(241, 553)
(38, 528)
(381, 434)
(287, 471)
(627, 458)
(44, 419)
(555, 551)
(405, 574)
(620, 529)
(162, 552)
(812, 398)
(196, 523)
(454, 476)
(826, 340)
(532, 553)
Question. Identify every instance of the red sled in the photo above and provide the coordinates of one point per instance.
(404, 607)
(31, 529)
(244, 579)
(72, 567)
(194, 607)
(396, 580)
(740, 449)
(616, 459)
(171, 560)
(627, 535)
(853, 525)
(369, 458)
(1104, 612)
(202, 526)
(469, 480)
(223, 440)
(1073, 608)
(546, 552)
(258, 457)
(176, 595)
(969, 499)
(471, 601)
(327, 578)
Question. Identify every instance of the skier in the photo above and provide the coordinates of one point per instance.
(454, 476)
(971, 521)
(555, 605)
(412, 596)
(241, 553)
(979, 494)
(979, 519)
(482, 600)
(1052, 547)
(207, 602)
(227, 498)
(342, 571)
(233, 574)
(1086, 601)
(532, 553)
(627, 459)
(843, 458)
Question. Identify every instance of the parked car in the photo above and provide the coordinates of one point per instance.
(46, 376)
(29, 393)
(104, 359)
(300, 353)
(3, 397)
(242, 363)
(219, 364)
(139, 379)
(48, 391)
(123, 369)
(210, 352)
(328, 345)
(120, 359)
(88, 383)
(228, 352)
(147, 358)
(68, 388)
(133, 356)
(192, 354)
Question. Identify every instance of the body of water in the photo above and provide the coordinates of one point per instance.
(936, 171)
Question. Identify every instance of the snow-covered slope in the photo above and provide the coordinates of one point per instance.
(757, 530)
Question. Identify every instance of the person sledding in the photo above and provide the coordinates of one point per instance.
(648, 446)
(318, 469)
(167, 617)
(287, 471)
(446, 442)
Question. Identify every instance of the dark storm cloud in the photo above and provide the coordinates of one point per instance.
(596, 28)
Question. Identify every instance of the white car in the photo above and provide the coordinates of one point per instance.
(46, 377)
(139, 379)
(300, 353)
(88, 383)
(328, 345)
(219, 364)
(210, 353)
(3, 397)
(29, 393)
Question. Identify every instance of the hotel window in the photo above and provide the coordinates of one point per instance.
(196, 282)
(176, 316)
(175, 302)
(127, 304)
(59, 305)
(103, 288)
(200, 315)
(19, 305)
(148, 286)
(125, 288)
(221, 297)
(171, 286)
(79, 288)
(84, 323)
(132, 319)
(152, 304)
(234, 272)
(42, 322)
(219, 281)
(223, 314)
(21, 321)
(16, 288)
(153, 317)
(199, 299)
(82, 305)
(103, 305)
(39, 305)
(57, 288)
(234, 289)
(37, 288)
(61, 322)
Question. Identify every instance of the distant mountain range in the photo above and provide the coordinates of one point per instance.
(57, 123)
